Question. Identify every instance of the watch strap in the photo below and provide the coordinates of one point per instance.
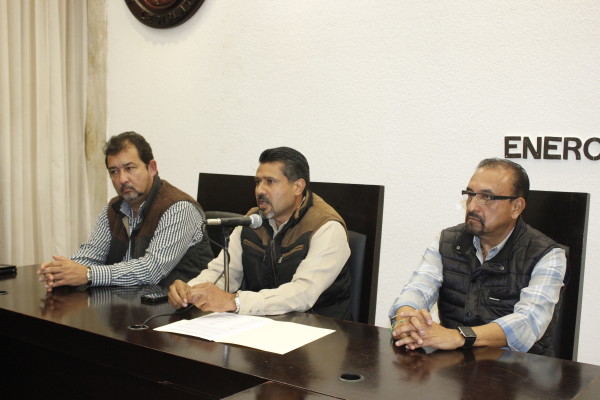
(469, 337)
(89, 276)
(469, 342)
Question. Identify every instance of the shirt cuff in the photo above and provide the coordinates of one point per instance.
(516, 338)
(406, 301)
(100, 275)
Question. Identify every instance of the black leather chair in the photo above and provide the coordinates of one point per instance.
(356, 263)
(563, 216)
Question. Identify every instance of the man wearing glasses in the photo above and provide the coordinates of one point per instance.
(496, 280)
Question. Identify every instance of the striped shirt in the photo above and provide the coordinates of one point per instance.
(179, 228)
(532, 313)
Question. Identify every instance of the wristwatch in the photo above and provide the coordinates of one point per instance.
(469, 335)
(89, 276)
(237, 302)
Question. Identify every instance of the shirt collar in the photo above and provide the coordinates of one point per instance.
(128, 211)
(272, 221)
(493, 251)
(274, 226)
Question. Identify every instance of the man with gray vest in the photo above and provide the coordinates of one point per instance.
(151, 233)
(295, 261)
(496, 279)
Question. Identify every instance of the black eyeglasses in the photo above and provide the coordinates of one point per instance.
(484, 199)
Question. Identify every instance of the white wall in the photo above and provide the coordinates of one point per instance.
(406, 94)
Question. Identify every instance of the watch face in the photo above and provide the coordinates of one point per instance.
(467, 331)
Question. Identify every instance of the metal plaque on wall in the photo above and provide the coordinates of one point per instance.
(163, 14)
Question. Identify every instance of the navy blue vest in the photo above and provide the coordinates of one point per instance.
(475, 294)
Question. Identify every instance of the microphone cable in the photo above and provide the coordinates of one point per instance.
(182, 310)
(178, 311)
(144, 325)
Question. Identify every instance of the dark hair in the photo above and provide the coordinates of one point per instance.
(295, 165)
(117, 143)
(520, 178)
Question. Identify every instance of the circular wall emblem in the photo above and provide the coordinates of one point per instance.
(163, 13)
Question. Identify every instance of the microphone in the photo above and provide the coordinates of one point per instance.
(254, 221)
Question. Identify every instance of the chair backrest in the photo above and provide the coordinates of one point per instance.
(361, 207)
(356, 263)
(563, 216)
(215, 232)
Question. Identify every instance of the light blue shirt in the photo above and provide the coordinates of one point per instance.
(532, 313)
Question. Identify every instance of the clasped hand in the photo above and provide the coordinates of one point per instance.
(205, 296)
(62, 271)
(415, 328)
(410, 326)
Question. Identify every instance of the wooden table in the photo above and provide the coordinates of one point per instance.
(76, 342)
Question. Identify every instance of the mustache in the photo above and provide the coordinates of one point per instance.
(262, 197)
(476, 216)
(125, 186)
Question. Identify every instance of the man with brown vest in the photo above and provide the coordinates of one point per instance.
(151, 233)
(295, 261)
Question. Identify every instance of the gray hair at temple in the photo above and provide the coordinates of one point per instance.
(520, 181)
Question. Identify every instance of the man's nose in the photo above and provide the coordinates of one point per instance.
(123, 177)
(259, 189)
(473, 204)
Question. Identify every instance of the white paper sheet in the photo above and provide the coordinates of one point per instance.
(257, 332)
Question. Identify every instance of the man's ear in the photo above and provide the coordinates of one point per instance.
(152, 167)
(299, 186)
(518, 205)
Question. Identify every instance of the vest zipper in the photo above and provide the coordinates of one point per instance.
(295, 249)
(273, 258)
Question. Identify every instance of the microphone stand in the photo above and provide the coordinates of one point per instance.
(226, 232)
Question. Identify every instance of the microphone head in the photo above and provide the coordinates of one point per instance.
(255, 221)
